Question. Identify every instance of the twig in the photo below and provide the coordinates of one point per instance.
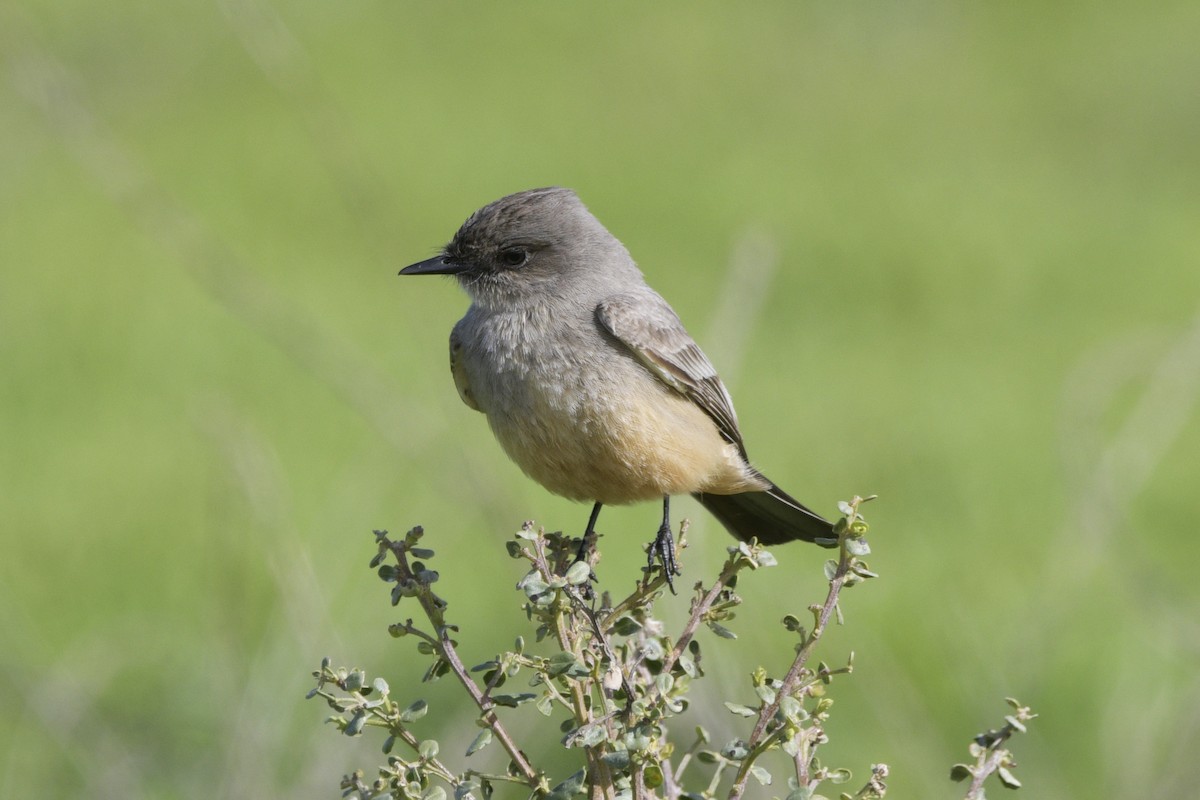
(759, 741)
(599, 774)
(990, 756)
(700, 607)
(432, 606)
(987, 765)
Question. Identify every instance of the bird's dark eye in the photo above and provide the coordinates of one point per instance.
(514, 256)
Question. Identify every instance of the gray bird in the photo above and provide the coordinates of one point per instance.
(589, 380)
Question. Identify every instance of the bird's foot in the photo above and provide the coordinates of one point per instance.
(662, 549)
(586, 545)
(587, 550)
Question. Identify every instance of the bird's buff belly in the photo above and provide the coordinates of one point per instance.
(619, 448)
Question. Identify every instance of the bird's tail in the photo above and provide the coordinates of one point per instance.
(771, 516)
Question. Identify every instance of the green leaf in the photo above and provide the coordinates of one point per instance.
(831, 568)
(741, 711)
(560, 663)
(579, 572)
(617, 758)
(437, 669)
(721, 630)
(626, 626)
(761, 775)
(736, 750)
(481, 741)
(1015, 723)
(765, 559)
(355, 680)
(653, 776)
(1007, 778)
(381, 686)
(428, 749)
(532, 584)
(960, 772)
(857, 546)
(840, 775)
(414, 712)
(687, 665)
(652, 650)
(568, 788)
(356, 724)
(434, 793)
(592, 735)
(860, 569)
(420, 552)
(792, 708)
(545, 704)
(513, 700)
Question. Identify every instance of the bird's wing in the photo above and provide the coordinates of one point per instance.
(647, 325)
(459, 371)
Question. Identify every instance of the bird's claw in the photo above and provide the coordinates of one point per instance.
(662, 549)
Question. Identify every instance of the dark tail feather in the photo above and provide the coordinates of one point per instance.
(772, 517)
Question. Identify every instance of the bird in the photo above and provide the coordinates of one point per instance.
(589, 380)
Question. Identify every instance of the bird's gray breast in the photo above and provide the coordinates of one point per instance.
(526, 364)
(553, 388)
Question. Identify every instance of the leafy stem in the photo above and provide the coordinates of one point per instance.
(419, 582)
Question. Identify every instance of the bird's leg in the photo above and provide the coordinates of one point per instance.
(589, 534)
(663, 547)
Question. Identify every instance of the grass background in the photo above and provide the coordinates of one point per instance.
(946, 253)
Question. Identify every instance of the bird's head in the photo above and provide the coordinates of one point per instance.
(530, 247)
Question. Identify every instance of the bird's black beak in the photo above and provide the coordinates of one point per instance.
(438, 265)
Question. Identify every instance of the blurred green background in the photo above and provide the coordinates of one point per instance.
(943, 252)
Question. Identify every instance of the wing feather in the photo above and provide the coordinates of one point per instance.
(653, 333)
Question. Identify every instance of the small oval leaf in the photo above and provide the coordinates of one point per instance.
(481, 741)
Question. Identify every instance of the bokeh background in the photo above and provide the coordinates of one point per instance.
(942, 252)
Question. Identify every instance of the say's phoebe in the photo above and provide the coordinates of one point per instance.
(588, 378)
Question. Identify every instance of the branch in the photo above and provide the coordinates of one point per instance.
(419, 584)
(760, 741)
(990, 757)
